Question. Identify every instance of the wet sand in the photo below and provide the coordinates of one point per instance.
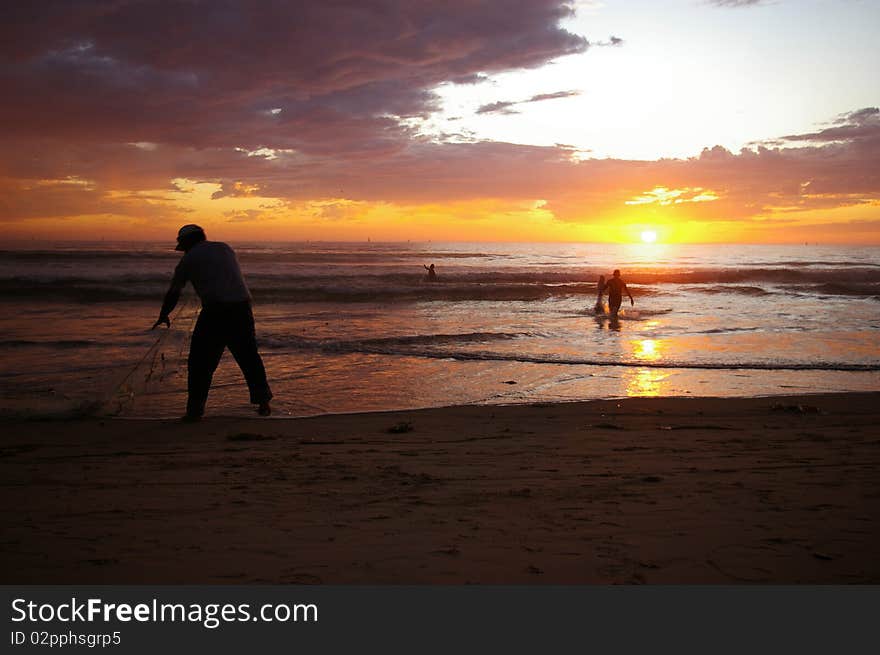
(761, 490)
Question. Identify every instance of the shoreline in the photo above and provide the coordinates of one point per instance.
(89, 415)
(766, 489)
(522, 403)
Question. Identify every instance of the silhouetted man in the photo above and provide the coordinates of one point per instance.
(226, 319)
(616, 287)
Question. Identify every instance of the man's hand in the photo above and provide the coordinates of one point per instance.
(162, 319)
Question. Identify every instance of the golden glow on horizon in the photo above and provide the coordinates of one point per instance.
(240, 212)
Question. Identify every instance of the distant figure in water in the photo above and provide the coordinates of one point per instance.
(432, 274)
(601, 287)
(616, 287)
(226, 319)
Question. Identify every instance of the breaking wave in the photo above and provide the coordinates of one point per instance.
(461, 286)
(442, 346)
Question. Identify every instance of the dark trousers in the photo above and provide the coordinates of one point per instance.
(220, 326)
(614, 303)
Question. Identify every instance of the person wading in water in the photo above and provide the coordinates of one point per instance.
(616, 287)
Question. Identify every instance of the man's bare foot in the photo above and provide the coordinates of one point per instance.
(264, 409)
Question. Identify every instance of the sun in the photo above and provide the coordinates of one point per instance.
(649, 236)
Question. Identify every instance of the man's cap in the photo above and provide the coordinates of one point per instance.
(186, 232)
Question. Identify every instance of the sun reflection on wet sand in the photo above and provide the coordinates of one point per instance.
(646, 382)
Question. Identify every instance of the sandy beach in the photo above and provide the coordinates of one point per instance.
(761, 490)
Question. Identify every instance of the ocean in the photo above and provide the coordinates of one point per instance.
(348, 327)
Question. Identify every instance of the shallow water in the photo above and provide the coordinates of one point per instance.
(351, 327)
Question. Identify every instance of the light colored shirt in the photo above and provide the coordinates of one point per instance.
(213, 269)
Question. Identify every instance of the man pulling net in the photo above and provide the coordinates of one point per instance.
(225, 321)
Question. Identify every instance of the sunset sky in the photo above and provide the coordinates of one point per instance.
(511, 120)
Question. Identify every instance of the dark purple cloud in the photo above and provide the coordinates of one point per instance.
(320, 77)
(613, 41)
(499, 107)
(506, 106)
(553, 96)
(862, 126)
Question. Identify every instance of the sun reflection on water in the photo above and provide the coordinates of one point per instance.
(647, 350)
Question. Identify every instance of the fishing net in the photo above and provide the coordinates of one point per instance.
(161, 369)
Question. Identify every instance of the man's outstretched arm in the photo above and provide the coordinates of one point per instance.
(171, 297)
